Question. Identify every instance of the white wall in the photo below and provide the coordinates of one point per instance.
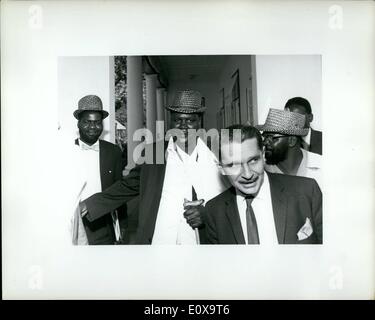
(80, 76)
(281, 77)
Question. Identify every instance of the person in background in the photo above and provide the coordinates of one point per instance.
(312, 141)
(100, 165)
(282, 134)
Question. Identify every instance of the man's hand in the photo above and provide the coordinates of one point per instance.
(193, 212)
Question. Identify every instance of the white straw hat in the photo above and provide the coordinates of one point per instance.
(187, 101)
(284, 122)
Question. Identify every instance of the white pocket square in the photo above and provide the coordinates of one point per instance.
(305, 231)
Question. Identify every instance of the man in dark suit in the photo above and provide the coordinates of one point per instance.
(313, 140)
(261, 208)
(101, 165)
(171, 190)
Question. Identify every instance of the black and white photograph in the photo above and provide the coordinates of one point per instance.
(151, 154)
(165, 202)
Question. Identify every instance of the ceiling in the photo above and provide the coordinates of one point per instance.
(175, 68)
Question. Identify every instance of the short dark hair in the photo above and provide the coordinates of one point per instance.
(247, 132)
(299, 101)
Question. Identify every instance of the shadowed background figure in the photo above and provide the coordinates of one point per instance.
(312, 141)
(283, 132)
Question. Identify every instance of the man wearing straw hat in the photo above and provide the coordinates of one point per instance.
(100, 166)
(171, 194)
(261, 208)
(282, 134)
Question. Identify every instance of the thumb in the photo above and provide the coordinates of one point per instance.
(196, 202)
(201, 201)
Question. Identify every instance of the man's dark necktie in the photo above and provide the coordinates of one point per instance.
(251, 223)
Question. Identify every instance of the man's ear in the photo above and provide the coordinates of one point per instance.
(310, 117)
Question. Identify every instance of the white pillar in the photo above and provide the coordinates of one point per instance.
(134, 102)
(111, 106)
(160, 103)
(160, 107)
(151, 82)
(166, 112)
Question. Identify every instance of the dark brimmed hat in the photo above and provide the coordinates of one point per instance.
(90, 103)
(284, 122)
(187, 101)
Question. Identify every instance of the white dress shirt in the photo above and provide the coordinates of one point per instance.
(90, 171)
(310, 166)
(89, 157)
(182, 172)
(262, 207)
(90, 165)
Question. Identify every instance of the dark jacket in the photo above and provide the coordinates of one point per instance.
(316, 142)
(293, 200)
(144, 181)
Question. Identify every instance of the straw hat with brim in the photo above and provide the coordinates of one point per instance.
(284, 122)
(187, 101)
(90, 103)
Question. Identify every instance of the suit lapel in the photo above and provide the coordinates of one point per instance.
(279, 206)
(231, 211)
(104, 165)
(312, 139)
(153, 177)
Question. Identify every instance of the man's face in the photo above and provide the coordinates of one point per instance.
(275, 147)
(243, 164)
(185, 121)
(90, 126)
(301, 110)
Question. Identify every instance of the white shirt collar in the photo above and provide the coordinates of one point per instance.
(174, 148)
(307, 138)
(263, 210)
(95, 145)
(310, 160)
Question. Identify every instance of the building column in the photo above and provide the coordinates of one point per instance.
(166, 111)
(151, 83)
(160, 115)
(111, 106)
(134, 102)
